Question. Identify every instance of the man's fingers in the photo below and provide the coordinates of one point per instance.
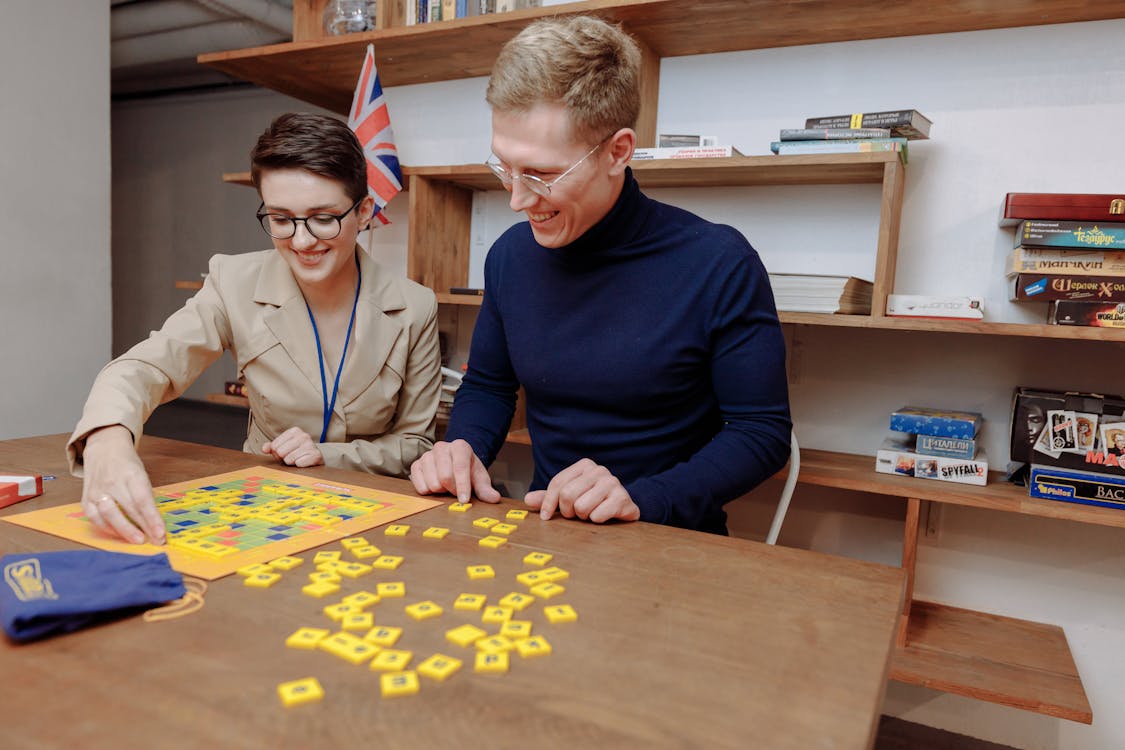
(617, 505)
(550, 502)
(534, 499)
(462, 467)
(595, 496)
(482, 483)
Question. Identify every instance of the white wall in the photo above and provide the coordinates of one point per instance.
(54, 210)
(1035, 109)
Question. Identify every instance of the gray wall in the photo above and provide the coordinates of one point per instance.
(54, 211)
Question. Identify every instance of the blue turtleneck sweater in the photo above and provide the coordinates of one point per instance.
(650, 345)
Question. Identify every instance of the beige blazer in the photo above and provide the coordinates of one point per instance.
(251, 305)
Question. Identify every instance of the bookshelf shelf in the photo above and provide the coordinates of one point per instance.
(1003, 660)
(322, 70)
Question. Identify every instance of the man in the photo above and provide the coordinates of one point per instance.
(645, 338)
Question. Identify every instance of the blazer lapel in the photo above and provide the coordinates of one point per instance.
(375, 332)
(289, 320)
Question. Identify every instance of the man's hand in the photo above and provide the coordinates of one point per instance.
(454, 468)
(294, 447)
(586, 490)
(116, 492)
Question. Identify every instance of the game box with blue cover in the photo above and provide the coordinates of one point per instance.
(921, 420)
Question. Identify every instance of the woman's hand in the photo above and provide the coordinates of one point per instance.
(116, 492)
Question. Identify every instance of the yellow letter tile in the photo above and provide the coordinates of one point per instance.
(439, 667)
(307, 690)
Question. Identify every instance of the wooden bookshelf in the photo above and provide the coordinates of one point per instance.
(323, 70)
(228, 400)
(997, 659)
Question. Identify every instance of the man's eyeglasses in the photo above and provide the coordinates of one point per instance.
(322, 226)
(531, 182)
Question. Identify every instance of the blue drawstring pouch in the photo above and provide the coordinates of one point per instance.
(59, 592)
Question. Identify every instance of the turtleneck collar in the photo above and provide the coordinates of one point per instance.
(624, 222)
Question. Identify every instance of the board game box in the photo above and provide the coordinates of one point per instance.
(1072, 430)
(1074, 486)
(932, 445)
(1097, 314)
(221, 523)
(921, 420)
(897, 456)
(17, 487)
(1082, 235)
(1066, 206)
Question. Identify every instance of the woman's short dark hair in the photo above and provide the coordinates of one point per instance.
(322, 145)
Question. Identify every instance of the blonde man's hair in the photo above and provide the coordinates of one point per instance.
(589, 66)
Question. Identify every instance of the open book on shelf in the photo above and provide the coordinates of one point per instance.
(817, 293)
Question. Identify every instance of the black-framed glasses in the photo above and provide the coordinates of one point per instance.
(322, 226)
(535, 184)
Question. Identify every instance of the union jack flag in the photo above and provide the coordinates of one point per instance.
(371, 122)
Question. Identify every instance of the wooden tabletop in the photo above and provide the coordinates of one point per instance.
(683, 640)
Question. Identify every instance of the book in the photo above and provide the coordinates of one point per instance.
(448, 10)
(932, 445)
(927, 306)
(1092, 314)
(896, 455)
(923, 420)
(829, 134)
(1073, 262)
(905, 123)
(1033, 286)
(843, 146)
(685, 152)
(817, 293)
(671, 140)
(1064, 206)
(1071, 234)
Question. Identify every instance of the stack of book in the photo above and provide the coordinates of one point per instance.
(685, 147)
(858, 133)
(1069, 251)
(934, 444)
(428, 11)
(816, 293)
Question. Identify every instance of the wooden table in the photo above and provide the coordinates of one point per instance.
(683, 640)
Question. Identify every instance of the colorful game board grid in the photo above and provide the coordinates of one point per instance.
(218, 520)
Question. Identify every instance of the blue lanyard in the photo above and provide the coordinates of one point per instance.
(328, 407)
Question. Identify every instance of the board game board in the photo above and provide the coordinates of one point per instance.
(220, 523)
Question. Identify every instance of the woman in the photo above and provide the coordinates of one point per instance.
(340, 360)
